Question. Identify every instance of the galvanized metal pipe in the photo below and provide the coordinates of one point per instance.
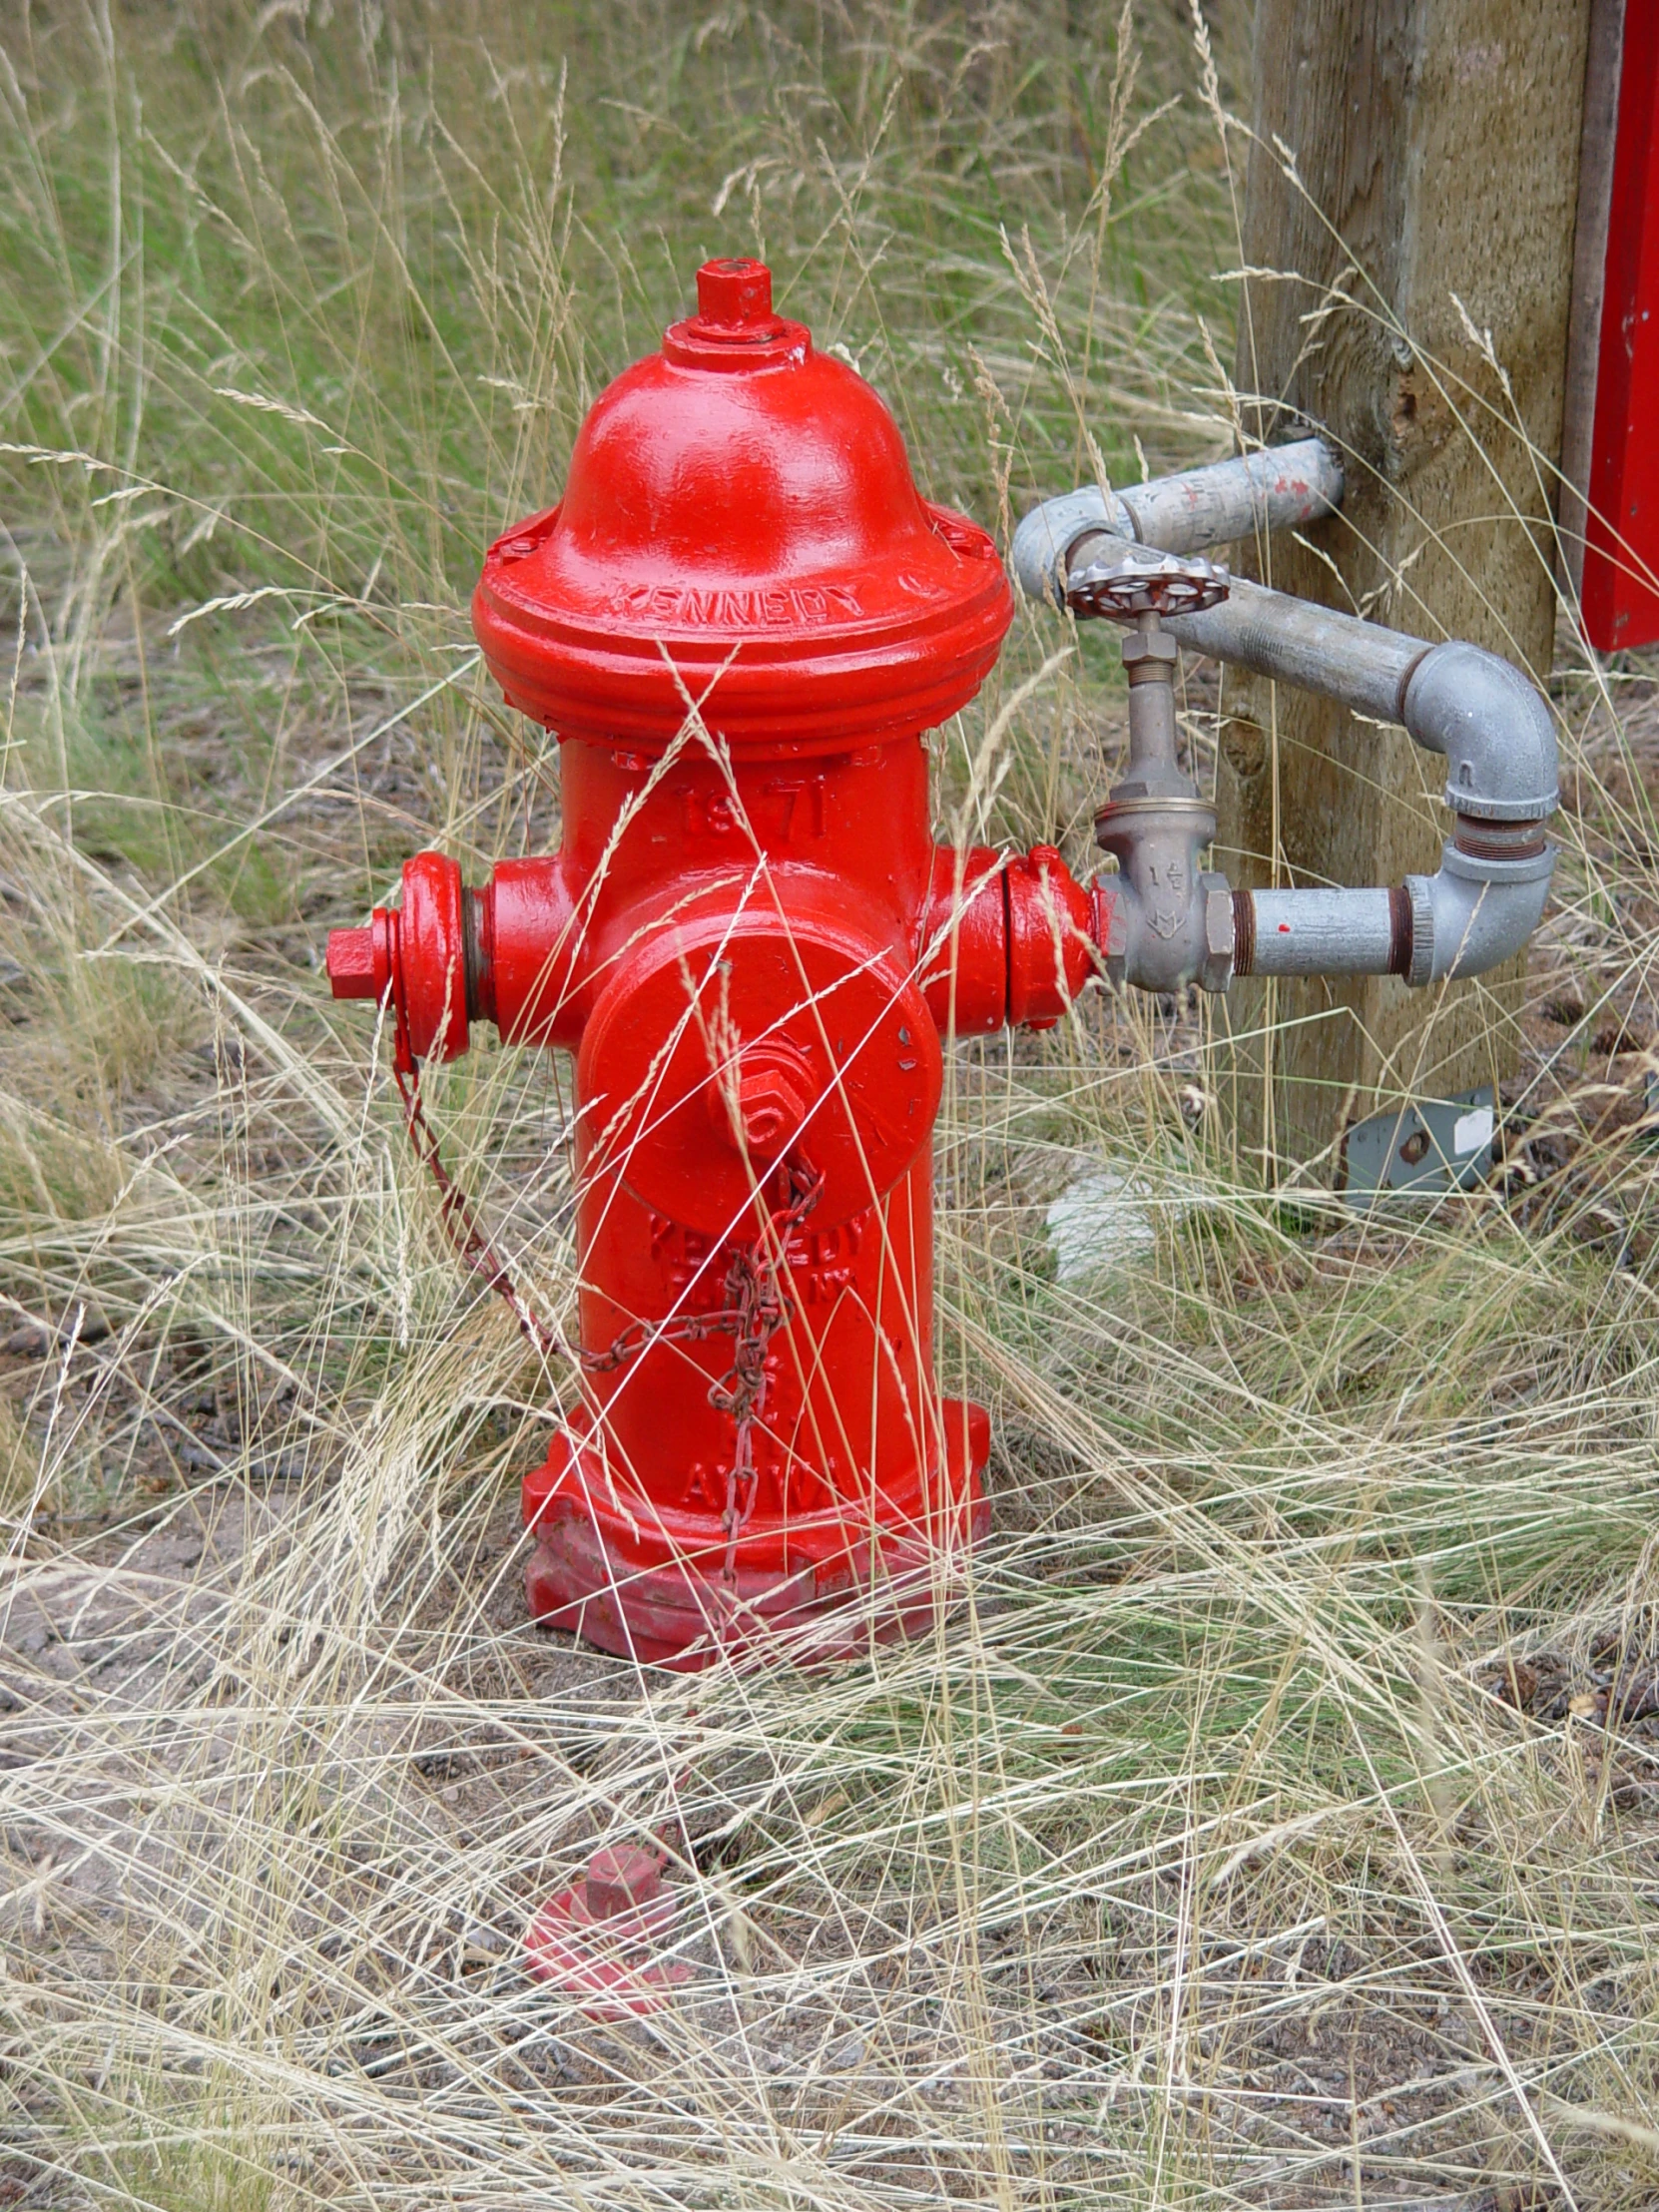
(1315, 647)
(1278, 489)
(1455, 699)
(1315, 932)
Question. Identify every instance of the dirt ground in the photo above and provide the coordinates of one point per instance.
(166, 1634)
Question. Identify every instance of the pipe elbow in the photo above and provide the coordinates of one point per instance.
(1280, 487)
(1474, 913)
(1046, 535)
(1494, 728)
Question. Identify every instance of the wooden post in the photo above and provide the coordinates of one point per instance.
(1436, 144)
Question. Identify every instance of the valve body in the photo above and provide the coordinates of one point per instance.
(740, 621)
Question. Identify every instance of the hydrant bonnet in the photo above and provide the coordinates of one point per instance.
(740, 525)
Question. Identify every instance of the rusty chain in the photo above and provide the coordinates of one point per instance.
(468, 1238)
(756, 1307)
(757, 1298)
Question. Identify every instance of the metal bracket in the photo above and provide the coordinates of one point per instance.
(1420, 1151)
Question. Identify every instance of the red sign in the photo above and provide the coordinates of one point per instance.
(1620, 594)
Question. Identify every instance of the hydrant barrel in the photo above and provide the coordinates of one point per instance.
(740, 621)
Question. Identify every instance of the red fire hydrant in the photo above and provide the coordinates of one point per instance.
(740, 621)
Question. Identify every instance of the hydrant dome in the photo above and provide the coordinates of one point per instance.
(741, 525)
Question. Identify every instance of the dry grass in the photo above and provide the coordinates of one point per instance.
(1280, 1823)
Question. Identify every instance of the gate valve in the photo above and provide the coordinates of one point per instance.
(740, 621)
(1154, 822)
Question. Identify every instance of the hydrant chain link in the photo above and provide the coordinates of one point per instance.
(468, 1238)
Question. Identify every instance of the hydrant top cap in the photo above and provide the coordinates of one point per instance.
(734, 292)
(734, 302)
(739, 524)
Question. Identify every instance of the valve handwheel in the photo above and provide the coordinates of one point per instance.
(1147, 583)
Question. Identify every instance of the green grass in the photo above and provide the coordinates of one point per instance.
(1196, 1862)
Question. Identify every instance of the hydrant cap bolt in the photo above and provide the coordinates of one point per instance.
(741, 524)
(620, 1878)
(350, 963)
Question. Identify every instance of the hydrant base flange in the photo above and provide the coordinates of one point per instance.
(670, 1590)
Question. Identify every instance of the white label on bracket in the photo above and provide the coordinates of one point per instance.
(1470, 1130)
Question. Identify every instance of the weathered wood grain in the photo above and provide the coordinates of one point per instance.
(1437, 148)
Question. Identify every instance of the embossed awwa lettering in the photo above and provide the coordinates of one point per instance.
(692, 606)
